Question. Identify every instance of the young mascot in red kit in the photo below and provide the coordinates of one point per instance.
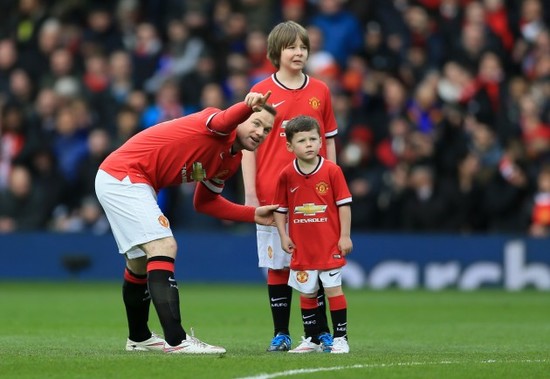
(313, 192)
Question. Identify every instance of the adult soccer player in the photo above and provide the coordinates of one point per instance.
(314, 194)
(293, 93)
(204, 147)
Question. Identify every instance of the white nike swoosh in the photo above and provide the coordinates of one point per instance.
(310, 316)
(279, 103)
(171, 279)
(292, 190)
(278, 298)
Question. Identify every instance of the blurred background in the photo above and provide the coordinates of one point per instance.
(443, 111)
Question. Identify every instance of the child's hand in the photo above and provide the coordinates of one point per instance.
(345, 245)
(287, 245)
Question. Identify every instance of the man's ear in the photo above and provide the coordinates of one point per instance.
(289, 147)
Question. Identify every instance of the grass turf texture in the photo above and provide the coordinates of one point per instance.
(78, 330)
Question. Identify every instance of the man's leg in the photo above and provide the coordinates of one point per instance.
(164, 292)
(137, 301)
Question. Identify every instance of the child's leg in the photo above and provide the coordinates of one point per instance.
(338, 311)
(310, 309)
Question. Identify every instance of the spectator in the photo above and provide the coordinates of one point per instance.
(340, 28)
(21, 204)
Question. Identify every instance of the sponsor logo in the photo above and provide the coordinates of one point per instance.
(308, 316)
(337, 256)
(314, 102)
(310, 209)
(270, 252)
(331, 274)
(279, 305)
(321, 188)
(275, 105)
(310, 220)
(302, 276)
(199, 173)
(278, 298)
(292, 190)
(163, 221)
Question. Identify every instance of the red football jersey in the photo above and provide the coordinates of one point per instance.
(176, 151)
(312, 99)
(312, 201)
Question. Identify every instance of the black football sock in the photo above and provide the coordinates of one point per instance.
(136, 300)
(165, 296)
(322, 314)
(280, 298)
(339, 315)
(310, 312)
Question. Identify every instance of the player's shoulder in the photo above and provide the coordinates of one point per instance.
(331, 166)
(314, 82)
(263, 84)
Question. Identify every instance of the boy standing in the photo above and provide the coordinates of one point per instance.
(314, 194)
(293, 93)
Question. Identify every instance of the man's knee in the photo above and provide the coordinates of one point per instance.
(162, 247)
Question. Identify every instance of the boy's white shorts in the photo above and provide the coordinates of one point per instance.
(270, 253)
(307, 281)
(132, 211)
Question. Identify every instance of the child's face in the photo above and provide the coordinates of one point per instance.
(305, 145)
(294, 56)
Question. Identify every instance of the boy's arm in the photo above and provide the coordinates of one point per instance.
(331, 149)
(248, 166)
(286, 242)
(344, 243)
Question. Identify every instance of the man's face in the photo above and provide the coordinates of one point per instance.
(252, 132)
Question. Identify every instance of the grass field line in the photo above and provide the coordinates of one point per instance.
(378, 365)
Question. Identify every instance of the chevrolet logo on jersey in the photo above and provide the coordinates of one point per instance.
(310, 209)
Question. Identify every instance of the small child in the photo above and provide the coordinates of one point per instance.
(314, 194)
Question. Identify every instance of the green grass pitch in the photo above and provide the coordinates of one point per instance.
(78, 330)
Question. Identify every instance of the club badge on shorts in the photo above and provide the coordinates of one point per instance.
(302, 276)
(163, 220)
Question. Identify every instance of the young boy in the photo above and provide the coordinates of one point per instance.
(293, 93)
(314, 194)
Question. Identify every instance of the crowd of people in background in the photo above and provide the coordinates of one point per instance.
(443, 106)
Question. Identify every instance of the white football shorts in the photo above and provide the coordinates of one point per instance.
(270, 253)
(307, 281)
(132, 211)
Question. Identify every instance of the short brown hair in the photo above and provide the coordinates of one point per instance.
(270, 109)
(283, 35)
(301, 124)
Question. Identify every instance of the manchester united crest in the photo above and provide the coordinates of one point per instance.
(163, 220)
(321, 188)
(302, 276)
(315, 103)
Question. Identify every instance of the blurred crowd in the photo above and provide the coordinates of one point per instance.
(443, 106)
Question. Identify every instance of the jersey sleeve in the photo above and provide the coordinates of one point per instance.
(281, 194)
(342, 193)
(224, 122)
(213, 204)
(331, 126)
